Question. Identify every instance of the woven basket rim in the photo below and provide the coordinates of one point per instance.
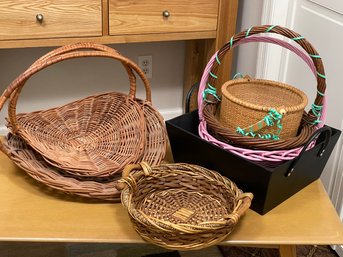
(257, 107)
(164, 170)
(27, 159)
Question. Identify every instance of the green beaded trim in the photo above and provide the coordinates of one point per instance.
(315, 56)
(270, 28)
(238, 74)
(217, 59)
(298, 38)
(317, 111)
(248, 32)
(321, 75)
(269, 120)
(210, 90)
(213, 75)
(320, 93)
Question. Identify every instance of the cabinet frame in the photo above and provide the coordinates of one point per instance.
(200, 45)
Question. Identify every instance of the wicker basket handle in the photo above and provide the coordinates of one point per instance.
(92, 46)
(98, 47)
(243, 204)
(16, 86)
(127, 179)
(321, 78)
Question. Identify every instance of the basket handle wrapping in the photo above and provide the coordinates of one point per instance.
(127, 179)
(52, 58)
(300, 40)
(243, 204)
(327, 130)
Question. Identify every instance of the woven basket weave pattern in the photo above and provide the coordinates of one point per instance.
(235, 141)
(35, 166)
(81, 147)
(254, 155)
(182, 206)
(247, 101)
(92, 135)
(95, 136)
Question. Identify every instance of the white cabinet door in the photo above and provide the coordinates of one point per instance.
(323, 27)
(321, 22)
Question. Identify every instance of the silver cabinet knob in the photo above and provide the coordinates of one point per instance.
(40, 17)
(166, 13)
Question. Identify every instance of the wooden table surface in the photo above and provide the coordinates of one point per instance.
(30, 211)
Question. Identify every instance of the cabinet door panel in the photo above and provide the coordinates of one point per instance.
(60, 18)
(137, 16)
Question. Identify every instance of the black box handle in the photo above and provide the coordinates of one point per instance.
(327, 131)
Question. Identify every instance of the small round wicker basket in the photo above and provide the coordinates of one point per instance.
(181, 206)
(247, 101)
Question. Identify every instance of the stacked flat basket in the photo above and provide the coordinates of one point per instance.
(261, 120)
(82, 147)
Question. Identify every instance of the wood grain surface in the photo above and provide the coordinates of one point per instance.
(62, 18)
(32, 212)
(136, 16)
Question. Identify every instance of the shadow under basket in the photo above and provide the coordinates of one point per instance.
(271, 184)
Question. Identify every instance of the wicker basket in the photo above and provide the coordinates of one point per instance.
(309, 119)
(181, 206)
(95, 136)
(246, 102)
(35, 166)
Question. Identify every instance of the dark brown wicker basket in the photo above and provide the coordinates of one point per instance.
(181, 206)
(308, 119)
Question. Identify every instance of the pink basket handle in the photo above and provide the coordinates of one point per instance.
(255, 155)
(314, 113)
(263, 39)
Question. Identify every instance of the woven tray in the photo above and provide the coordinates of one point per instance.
(35, 166)
(181, 206)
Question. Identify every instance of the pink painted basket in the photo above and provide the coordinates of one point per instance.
(250, 154)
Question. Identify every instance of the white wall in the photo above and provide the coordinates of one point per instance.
(249, 14)
(74, 79)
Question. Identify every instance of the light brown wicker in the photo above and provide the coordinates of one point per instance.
(156, 138)
(95, 136)
(34, 165)
(181, 206)
(247, 101)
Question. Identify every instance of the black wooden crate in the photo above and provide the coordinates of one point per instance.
(271, 185)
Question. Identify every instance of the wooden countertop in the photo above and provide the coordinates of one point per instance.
(30, 211)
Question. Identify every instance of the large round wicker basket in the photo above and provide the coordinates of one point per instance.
(181, 206)
(95, 136)
(246, 102)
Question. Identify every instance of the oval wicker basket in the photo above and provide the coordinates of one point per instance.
(245, 102)
(36, 167)
(181, 206)
(94, 136)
